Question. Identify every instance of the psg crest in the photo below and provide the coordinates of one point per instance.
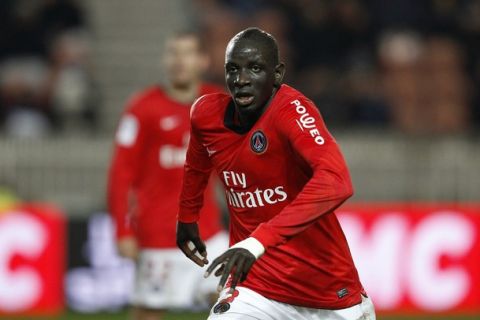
(258, 142)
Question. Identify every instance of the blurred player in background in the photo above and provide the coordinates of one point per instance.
(284, 176)
(145, 181)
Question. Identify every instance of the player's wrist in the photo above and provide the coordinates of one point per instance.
(251, 244)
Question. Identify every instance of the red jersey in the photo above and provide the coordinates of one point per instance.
(146, 172)
(283, 180)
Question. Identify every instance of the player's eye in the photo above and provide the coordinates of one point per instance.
(231, 69)
(256, 68)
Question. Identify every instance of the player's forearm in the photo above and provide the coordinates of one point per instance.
(315, 200)
(118, 209)
(118, 212)
(119, 185)
(195, 179)
(191, 199)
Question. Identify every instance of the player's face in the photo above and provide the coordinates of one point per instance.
(183, 61)
(250, 74)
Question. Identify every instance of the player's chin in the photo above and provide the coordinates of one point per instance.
(247, 108)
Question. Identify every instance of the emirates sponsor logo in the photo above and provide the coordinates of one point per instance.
(172, 156)
(250, 199)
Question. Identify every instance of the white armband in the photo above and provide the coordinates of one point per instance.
(254, 246)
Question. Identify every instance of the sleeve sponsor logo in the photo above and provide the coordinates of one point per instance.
(307, 123)
(127, 131)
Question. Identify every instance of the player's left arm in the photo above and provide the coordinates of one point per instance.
(197, 172)
(330, 185)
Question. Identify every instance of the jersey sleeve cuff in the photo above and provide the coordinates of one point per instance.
(124, 233)
(188, 217)
(251, 244)
(266, 237)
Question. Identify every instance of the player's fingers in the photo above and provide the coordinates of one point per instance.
(202, 255)
(237, 274)
(246, 269)
(219, 260)
(200, 247)
(183, 248)
(226, 272)
(219, 272)
(186, 249)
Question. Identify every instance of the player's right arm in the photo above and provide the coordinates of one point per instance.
(129, 140)
(197, 171)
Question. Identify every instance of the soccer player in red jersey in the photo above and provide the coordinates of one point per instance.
(284, 176)
(145, 181)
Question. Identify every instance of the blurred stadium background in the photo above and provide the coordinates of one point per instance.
(397, 82)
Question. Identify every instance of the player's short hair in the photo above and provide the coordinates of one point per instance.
(187, 33)
(261, 36)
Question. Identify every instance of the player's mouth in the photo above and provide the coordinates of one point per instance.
(244, 99)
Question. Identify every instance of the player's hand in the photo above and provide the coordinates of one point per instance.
(235, 261)
(128, 247)
(188, 240)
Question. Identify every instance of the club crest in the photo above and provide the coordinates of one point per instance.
(258, 142)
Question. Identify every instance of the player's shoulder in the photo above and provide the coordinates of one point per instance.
(209, 105)
(289, 94)
(289, 97)
(140, 99)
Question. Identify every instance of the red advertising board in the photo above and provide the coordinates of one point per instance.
(32, 260)
(417, 258)
(412, 258)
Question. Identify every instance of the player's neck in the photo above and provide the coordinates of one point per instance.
(248, 119)
(183, 94)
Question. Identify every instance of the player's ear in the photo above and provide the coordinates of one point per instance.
(279, 73)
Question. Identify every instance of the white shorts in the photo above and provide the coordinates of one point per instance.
(249, 305)
(166, 279)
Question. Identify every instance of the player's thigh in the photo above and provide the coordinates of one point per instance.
(164, 279)
(247, 304)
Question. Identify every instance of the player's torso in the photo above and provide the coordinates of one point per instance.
(166, 139)
(255, 168)
(167, 131)
(160, 175)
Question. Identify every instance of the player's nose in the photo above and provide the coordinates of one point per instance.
(242, 78)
